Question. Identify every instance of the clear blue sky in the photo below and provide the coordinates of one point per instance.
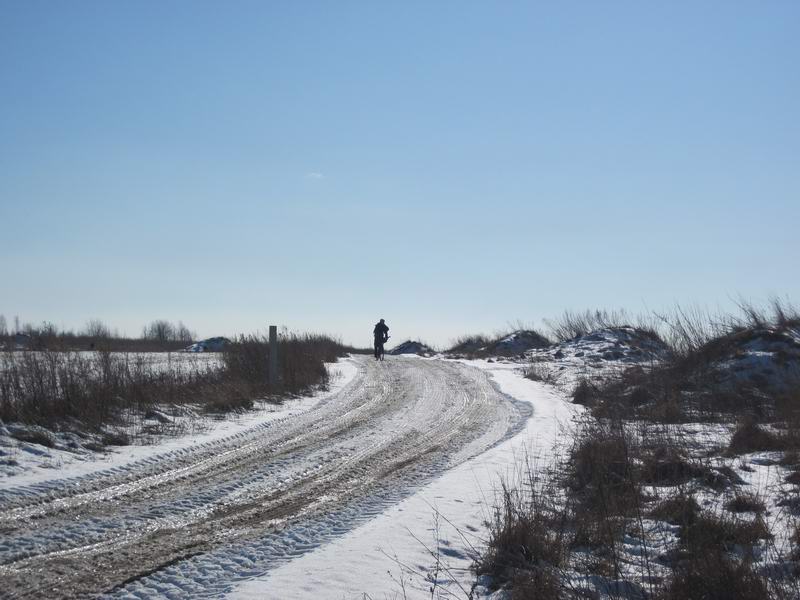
(449, 166)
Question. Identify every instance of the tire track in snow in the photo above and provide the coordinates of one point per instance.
(191, 522)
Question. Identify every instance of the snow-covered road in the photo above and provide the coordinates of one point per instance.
(190, 523)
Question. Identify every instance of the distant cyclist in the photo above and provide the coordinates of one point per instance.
(381, 333)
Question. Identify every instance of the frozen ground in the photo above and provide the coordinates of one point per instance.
(395, 555)
(194, 520)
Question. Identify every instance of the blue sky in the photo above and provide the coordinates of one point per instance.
(449, 166)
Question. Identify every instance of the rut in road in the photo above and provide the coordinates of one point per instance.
(197, 519)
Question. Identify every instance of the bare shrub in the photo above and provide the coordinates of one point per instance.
(669, 465)
(718, 532)
(751, 437)
(715, 576)
(708, 567)
(72, 389)
(602, 476)
(585, 392)
(526, 549)
(745, 502)
(95, 328)
(680, 510)
(163, 332)
(301, 359)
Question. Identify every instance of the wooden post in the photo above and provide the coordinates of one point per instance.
(273, 356)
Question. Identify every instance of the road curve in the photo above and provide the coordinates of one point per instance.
(192, 522)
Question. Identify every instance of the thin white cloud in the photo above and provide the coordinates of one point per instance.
(314, 175)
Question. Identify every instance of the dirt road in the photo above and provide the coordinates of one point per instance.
(191, 522)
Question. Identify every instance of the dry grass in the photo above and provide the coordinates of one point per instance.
(481, 346)
(715, 576)
(527, 548)
(746, 503)
(629, 464)
(682, 510)
(71, 390)
(578, 324)
(750, 436)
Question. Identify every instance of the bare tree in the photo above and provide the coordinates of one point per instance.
(48, 329)
(95, 328)
(3, 326)
(184, 334)
(159, 330)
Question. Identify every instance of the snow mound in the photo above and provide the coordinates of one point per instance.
(410, 347)
(766, 358)
(512, 344)
(617, 344)
(517, 342)
(215, 344)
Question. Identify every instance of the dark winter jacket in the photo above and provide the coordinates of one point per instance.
(381, 332)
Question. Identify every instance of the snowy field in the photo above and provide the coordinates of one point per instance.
(183, 361)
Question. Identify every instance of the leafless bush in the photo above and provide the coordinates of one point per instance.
(745, 502)
(95, 328)
(163, 331)
(57, 388)
(715, 576)
(585, 392)
(681, 509)
(752, 437)
(527, 549)
(96, 335)
(602, 475)
(72, 389)
(301, 359)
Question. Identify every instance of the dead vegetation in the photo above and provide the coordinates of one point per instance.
(90, 391)
(573, 325)
(632, 474)
(510, 343)
(723, 368)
